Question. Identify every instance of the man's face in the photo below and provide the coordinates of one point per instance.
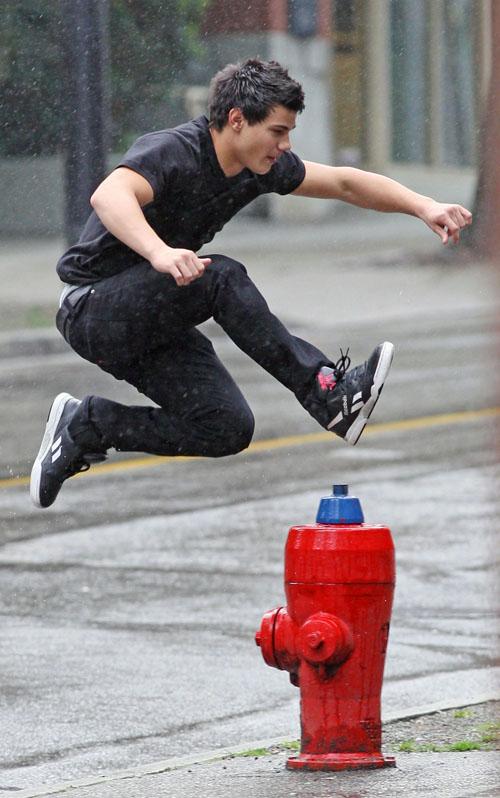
(259, 146)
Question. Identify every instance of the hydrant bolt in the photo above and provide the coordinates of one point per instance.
(314, 639)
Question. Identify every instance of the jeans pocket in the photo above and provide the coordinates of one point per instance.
(108, 342)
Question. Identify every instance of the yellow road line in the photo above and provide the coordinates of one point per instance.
(425, 422)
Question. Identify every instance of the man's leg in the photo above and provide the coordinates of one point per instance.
(202, 412)
(339, 399)
(148, 308)
(128, 317)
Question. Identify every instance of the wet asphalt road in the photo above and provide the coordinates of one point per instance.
(129, 608)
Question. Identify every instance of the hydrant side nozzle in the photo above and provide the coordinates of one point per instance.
(276, 639)
(264, 637)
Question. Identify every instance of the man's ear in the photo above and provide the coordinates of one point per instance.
(235, 119)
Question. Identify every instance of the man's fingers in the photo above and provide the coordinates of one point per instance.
(190, 268)
(466, 215)
(453, 231)
(440, 230)
(176, 274)
(447, 220)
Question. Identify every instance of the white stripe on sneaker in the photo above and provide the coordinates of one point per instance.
(336, 420)
(56, 455)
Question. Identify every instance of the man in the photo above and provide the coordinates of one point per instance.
(136, 289)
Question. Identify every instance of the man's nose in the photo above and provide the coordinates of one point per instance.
(285, 144)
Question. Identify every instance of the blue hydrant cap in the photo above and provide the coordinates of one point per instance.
(340, 508)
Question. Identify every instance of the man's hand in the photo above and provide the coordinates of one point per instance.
(183, 264)
(445, 220)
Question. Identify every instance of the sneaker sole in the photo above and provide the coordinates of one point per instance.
(354, 432)
(55, 414)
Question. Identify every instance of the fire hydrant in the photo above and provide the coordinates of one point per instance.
(333, 634)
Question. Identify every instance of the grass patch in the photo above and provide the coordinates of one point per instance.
(254, 752)
(463, 713)
(464, 745)
(38, 316)
(490, 732)
(482, 744)
(289, 745)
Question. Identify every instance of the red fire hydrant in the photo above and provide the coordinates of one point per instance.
(332, 636)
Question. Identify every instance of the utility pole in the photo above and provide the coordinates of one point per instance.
(86, 89)
(485, 231)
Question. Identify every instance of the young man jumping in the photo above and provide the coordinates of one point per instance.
(136, 290)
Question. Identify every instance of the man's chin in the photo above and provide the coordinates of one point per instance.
(264, 168)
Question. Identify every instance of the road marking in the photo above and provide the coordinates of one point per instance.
(404, 425)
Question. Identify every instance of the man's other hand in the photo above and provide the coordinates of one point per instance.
(183, 264)
(446, 220)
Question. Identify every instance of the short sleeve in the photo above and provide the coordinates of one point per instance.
(158, 157)
(287, 174)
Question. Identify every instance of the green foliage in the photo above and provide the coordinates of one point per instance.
(151, 44)
(31, 66)
(160, 37)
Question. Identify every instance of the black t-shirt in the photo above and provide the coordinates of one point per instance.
(193, 199)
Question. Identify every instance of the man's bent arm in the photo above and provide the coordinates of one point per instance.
(118, 202)
(380, 193)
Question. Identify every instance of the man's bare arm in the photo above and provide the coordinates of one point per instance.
(118, 202)
(380, 193)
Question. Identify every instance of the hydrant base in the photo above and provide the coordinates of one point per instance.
(332, 761)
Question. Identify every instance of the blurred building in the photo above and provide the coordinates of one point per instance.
(395, 86)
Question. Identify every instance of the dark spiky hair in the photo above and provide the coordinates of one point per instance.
(255, 87)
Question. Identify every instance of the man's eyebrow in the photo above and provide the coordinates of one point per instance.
(282, 127)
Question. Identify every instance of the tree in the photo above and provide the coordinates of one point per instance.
(484, 236)
(151, 44)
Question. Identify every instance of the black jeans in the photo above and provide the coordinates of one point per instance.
(140, 326)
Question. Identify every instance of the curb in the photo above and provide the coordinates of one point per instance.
(30, 343)
(207, 757)
(41, 342)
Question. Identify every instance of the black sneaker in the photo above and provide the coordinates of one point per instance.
(59, 457)
(351, 395)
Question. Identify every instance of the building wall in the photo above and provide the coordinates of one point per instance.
(398, 86)
(235, 32)
(425, 71)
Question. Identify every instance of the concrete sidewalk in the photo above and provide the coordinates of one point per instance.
(258, 770)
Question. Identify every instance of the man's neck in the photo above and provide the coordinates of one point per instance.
(228, 162)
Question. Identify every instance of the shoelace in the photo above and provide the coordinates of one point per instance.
(342, 365)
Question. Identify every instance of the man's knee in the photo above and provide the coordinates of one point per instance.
(236, 434)
(226, 268)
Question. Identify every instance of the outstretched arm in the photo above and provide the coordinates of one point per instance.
(369, 190)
